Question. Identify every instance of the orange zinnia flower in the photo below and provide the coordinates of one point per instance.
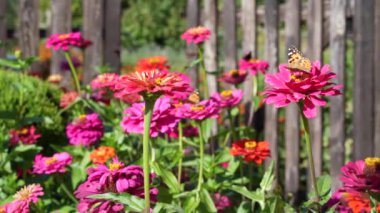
(358, 202)
(152, 63)
(102, 154)
(251, 150)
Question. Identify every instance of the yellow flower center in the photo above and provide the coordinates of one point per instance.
(23, 131)
(372, 161)
(372, 165)
(197, 30)
(2, 210)
(250, 144)
(177, 105)
(50, 161)
(226, 93)
(158, 81)
(197, 107)
(297, 77)
(114, 166)
(25, 192)
(154, 60)
(64, 36)
(234, 72)
(253, 60)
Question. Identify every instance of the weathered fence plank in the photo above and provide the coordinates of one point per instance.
(292, 126)
(314, 52)
(377, 79)
(61, 23)
(112, 34)
(192, 17)
(363, 130)
(3, 25)
(337, 103)
(248, 23)
(229, 25)
(28, 34)
(271, 53)
(93, 30)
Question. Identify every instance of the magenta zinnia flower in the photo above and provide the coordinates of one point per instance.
(196, 35)
(171, 84)
(54, 164)
(26, 195)
(85, 130)
(25, 135)
(116, 178)
(234, 76)
(200, 111)
(253, 65)
(228, 98)
(64, 41)
(163, 118)
(289, 86)
(221, 201)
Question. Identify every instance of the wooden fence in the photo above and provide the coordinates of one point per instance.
(102, 20)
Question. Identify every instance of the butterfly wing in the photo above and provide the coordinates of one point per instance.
(296, 60)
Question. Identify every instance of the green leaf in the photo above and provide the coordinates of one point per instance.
(324, 185)
(207, 200)
(168, 177)
(191, 203)
(131, 202)
(168, 208)
(9, 115)
(256, 196)
(266, 182)
(245, 207)
(274, 205)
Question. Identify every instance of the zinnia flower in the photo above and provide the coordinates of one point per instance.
(25, 135)
(55, 78)
(163, 118)
(171, 84)
(68, 98)
(85, 130)
(152, 63)
(104, 80)
(102, 154)
(251, 150)
(350, 202)
(50, 165)
(116, 178)
(289, 86)
(253, 65)
(26, 195)
(228, 98)
(234, 76)
(221, 201)
(64, 41)
(200, 111)
(188, 131)
(196, 35)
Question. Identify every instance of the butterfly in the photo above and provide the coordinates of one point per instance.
(194, 97)
(297, 61)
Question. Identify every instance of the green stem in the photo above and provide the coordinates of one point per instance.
(254, 94)
(65, 189)
(309, 151)
(73, 72)
(250, 173)
(180, 143)
(203, 72)
(149, 104)
(233, 132)
(201, 156)
(241, 176)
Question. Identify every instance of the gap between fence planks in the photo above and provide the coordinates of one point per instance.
(112, 32)
(3, 25)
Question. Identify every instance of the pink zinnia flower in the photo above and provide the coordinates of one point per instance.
(188, 131)
(234, 76)
(289, 86)
(104, 81)
(228, 98)
(171, 84)
(64, 41)
(85, 130)
(25, 135)
(116, 178)
(221, 201)
(54, 164)
(163, 118)
(196, 35)
(26, 195)
(253, 65)
(68, 98)
(200, 111)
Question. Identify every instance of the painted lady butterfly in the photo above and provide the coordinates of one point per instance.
(297, 61)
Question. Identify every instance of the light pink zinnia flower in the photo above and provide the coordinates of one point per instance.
(171, 84)
(104, 80)
(26, 135)
(68, 98)
(289, 86)
(26, 195)
(228, 98)
(163, 118)
(85, 130)
(196, 35)
(253, 65)
(200, 111)
(221, 201)
(54, 164)
(64, 41)
(234, 76)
